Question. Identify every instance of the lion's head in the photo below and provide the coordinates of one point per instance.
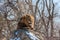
(26, 21)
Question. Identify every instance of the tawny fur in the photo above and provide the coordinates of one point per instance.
(26, 21)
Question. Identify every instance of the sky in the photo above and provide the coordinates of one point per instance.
(57, 2)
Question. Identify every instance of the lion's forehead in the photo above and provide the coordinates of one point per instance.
(27, 18)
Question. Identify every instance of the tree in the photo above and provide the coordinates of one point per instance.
(43, 12)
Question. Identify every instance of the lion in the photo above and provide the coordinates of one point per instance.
(26, 22)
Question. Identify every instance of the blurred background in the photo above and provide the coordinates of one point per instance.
(45, 12)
